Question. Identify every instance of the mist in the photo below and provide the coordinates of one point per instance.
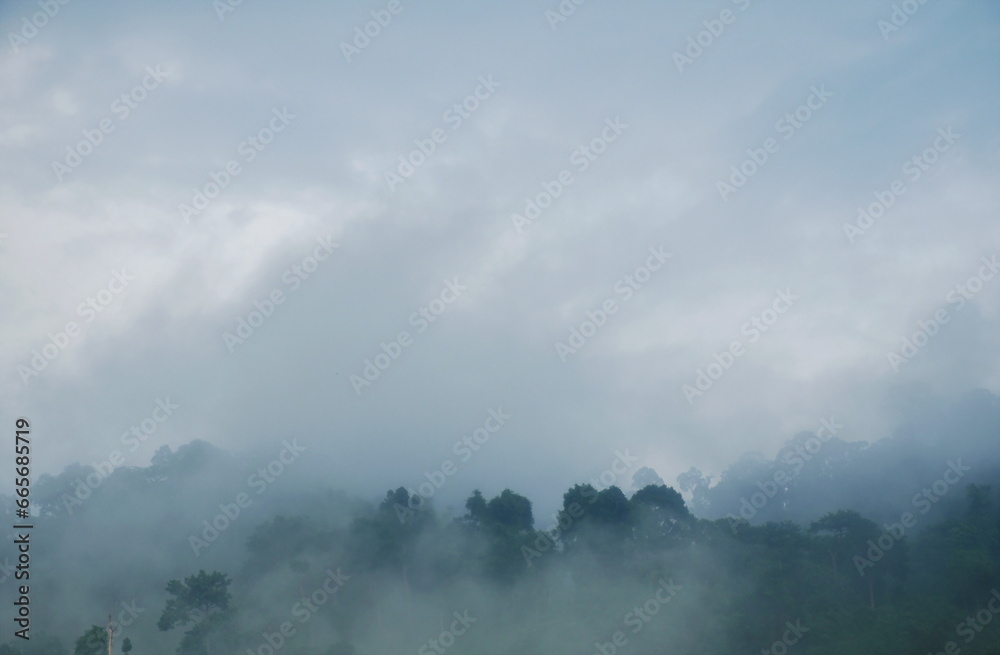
(527, 313)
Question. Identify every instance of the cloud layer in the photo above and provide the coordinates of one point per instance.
(747, 139)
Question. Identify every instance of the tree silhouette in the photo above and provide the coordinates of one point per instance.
(201, 601)
(93, 642)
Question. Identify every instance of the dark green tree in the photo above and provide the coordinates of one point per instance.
(502, 527)
(93, 642)
(843, 534)
(202, 602)
(476, 508)
(850, 539)
(511, 510)
(660, 516)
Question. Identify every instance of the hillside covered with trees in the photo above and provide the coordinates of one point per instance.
(892, 547)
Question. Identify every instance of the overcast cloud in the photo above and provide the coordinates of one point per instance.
(839, 103)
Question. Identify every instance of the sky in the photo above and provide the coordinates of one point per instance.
(607, 236)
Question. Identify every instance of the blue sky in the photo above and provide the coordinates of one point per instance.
(323, 176)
